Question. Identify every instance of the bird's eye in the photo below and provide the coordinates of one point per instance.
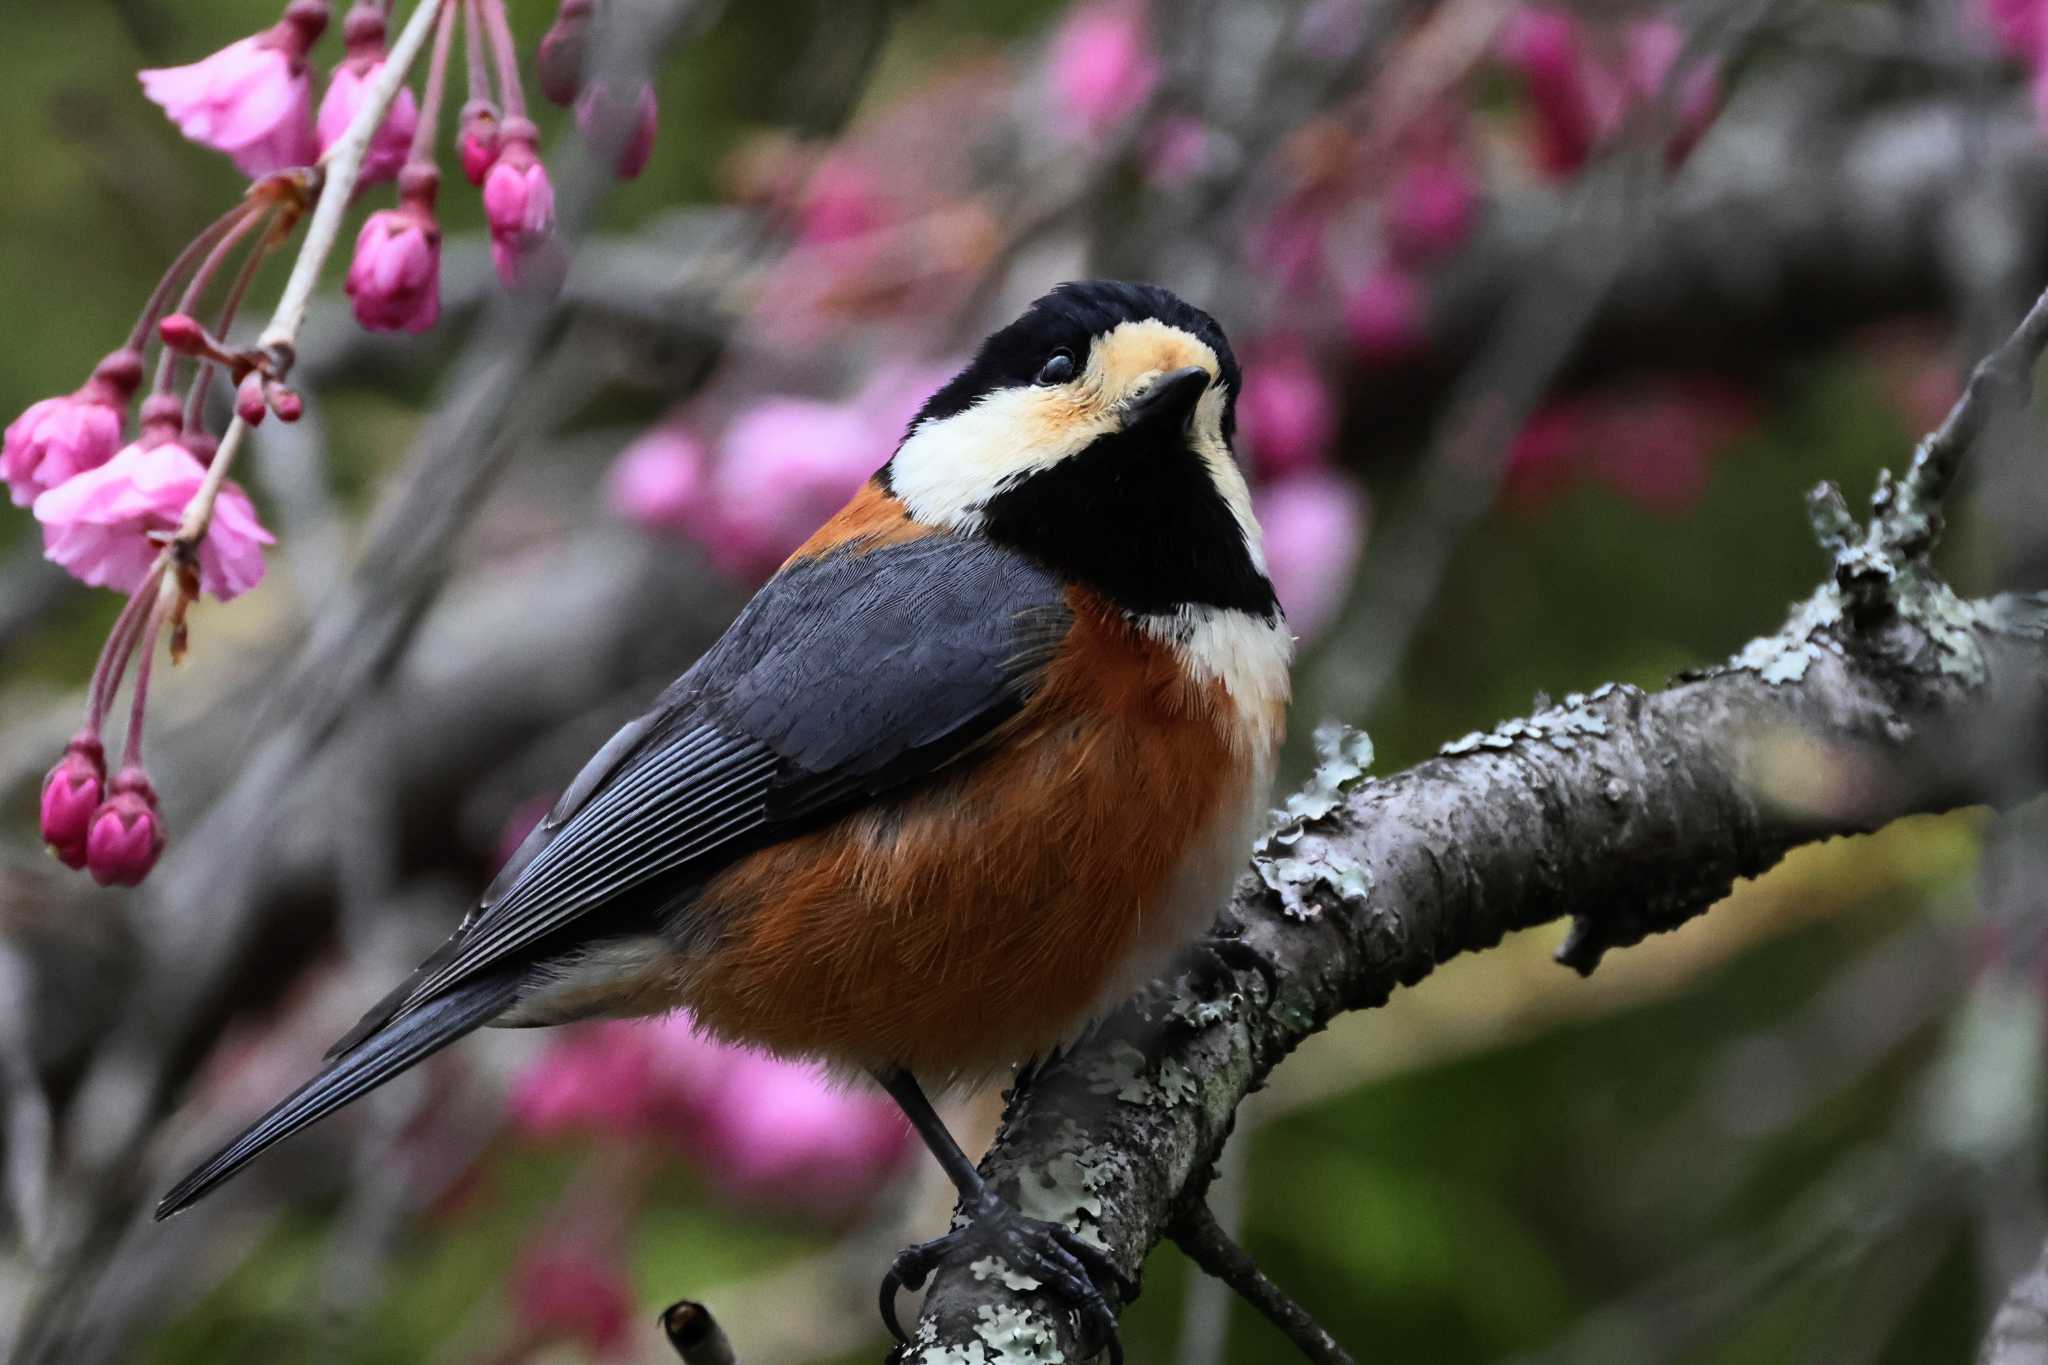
(1059, 368)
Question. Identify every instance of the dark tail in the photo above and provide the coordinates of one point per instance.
(365, 1066)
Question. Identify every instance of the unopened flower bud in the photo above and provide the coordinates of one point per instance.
(249, 403)
(71, 793)
(284, 400)
(620, 131)
(183, 333)
(127, 833)
(562, 49)
(477, 143)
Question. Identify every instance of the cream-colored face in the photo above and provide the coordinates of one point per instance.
(948, 468)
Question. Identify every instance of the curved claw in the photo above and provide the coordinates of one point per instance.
(1067, 1266)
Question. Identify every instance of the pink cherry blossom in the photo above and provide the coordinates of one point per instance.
(841, 199)
(127, 832)
(1387, 315)
(619, 128)
(1314, 525)
(1583, 86)
(71, 793)
(348, 87)
(1652, 47)
(559, 63)
(97, 524)
(1653, 443)
(1179, 149)
(567, 1292)
(784, 465)
(394, 280)
(253, 98)
(1102, 64)
(1285, 410)
(60, 437)
(662, 480)
(519, 202)
(2021, 26)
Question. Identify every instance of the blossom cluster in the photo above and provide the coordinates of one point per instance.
(147, 509)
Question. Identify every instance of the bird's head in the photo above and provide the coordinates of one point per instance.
(1093, 433)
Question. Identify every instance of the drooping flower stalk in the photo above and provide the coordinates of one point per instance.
(195, 400)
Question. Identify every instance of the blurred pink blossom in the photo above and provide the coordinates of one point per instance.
(841, 198)
(2021, 27)
(1387, 315)
(1315, 527)
(661, 482)
(1655, 444)
(476, 142)
(1177, 150)
(763, 1130)
(1102, 64)
(59, 437)
(784, 465)
(624, 127)
(98, 524)
(1583, 85)
(350, 85)
(519, 202)
(252, 99)
(1430, 207)
(1286, 411)
(569, 1292)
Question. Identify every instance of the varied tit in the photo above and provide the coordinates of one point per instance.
(978, 759)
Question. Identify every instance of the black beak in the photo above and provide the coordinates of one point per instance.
(1170, 399)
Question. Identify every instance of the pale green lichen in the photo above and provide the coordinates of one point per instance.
(989, 1268)
(1013, 1336)
(1785, 656)
(1176, 1084)
(1122, 1073)
(1561, 727)
(1295, 861)
(1061, 1193)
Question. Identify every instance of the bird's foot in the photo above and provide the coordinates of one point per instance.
(1067, 1267)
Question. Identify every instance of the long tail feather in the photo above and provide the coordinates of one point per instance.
(371, 1062)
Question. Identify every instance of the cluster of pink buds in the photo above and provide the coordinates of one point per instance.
(153, 515)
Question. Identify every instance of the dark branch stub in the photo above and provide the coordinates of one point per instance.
(1197, 1233)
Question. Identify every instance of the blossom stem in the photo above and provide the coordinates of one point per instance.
(163, 602)
(195, 401)
(473, 49)
(160, 297)
(510, 96)
(337, 174)
(237, 228)
(106, 675)
(339, 170)
(425, 130)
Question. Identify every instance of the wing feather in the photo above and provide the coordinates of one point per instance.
(847, 675)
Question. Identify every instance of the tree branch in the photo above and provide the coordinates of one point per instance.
(2019, 1334)
(1197, 1233)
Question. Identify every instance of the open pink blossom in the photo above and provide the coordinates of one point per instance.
(1315, 525)
(60, 437)
(253, 98)
(661, 482)
(784, 465)
(127, 833)
(97, 525)
(621, 130)
(519, 203)
(1285, 411)
(1102, 64)
(71, 793)
(394, 279)
(350, 85)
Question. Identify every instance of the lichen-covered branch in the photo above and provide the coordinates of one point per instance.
(1629, 812)
(2019, 1333)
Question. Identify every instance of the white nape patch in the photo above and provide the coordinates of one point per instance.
(1207, 432)
(1250, 655)
(948, 468)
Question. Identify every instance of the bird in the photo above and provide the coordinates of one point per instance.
(970, 768)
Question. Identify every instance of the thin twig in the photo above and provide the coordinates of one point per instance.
(1197, 1233)
(696, 1335)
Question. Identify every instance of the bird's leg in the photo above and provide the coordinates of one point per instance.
(1048, 1252)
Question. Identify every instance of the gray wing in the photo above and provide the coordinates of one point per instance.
(847, 675)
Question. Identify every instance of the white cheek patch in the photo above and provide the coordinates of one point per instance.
(947, 469)
(1208, 441)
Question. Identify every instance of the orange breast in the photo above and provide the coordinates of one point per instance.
(979, 920)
